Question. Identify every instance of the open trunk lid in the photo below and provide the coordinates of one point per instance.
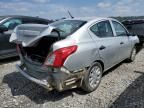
(34, 40)
(29, 34)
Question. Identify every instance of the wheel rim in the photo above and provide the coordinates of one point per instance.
(95, 76)
(133, 54)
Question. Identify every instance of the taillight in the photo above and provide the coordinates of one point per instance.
(58, 57)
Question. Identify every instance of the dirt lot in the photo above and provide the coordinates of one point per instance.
(121, 87)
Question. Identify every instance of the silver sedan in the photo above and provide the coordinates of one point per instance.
(73, 52)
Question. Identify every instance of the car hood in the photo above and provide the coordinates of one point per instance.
(29, 34)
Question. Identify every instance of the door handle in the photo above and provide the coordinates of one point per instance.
(122, 43)
(102, 47)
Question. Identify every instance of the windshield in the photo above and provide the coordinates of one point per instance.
(68, 27)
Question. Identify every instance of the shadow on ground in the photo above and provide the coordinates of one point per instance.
(19, 85)
(8, 60)
(133, 96)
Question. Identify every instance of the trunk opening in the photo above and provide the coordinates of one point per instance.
(40, 50)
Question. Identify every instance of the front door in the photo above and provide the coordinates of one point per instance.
(7, 48)
(125, 43)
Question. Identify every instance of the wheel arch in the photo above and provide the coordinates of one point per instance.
(101, 62)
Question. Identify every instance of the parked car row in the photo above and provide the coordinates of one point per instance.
(136, 27)
(72, 53)
(7, 25)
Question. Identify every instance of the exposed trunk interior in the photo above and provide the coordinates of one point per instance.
(40, 50)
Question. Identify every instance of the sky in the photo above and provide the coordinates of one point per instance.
(55, 9)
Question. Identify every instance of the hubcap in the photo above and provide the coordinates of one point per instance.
(95, 76)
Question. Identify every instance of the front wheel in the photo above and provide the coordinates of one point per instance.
(133, 55)
(92, 77)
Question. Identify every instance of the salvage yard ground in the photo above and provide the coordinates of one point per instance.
(121, 87)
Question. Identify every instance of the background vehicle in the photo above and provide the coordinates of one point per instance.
(136, 27)
(73, 52)
(7, 24)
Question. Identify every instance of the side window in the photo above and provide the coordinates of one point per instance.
(120, 30)
(102, 29)
(12, 23)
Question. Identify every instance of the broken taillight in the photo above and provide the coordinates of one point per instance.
(58, 57)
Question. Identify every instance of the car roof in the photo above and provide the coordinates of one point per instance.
(90, 18)
(21, 16)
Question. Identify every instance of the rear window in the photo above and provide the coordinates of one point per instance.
(68, 27)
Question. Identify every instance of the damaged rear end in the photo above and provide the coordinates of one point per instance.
(43, 56)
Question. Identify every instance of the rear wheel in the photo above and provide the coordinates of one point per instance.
(92, 77)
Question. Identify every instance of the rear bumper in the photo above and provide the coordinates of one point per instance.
(43, 82)
(60, 80)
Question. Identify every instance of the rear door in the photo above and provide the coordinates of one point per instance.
(107, 44)
(125, 43)
(5, 46)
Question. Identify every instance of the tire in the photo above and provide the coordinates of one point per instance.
(93, 74)
(133, 55)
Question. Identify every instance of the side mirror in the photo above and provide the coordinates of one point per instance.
(3, 29)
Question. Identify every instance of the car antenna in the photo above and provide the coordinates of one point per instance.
(70, 15)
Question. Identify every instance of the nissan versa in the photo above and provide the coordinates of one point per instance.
(73, 52)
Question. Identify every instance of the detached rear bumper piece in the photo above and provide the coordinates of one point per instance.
(43, 82)
(60, 80)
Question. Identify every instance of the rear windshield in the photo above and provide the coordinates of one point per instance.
(68, 27)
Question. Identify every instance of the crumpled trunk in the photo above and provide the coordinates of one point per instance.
(29, 34)
(34, 40)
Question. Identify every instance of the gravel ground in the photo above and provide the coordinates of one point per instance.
(121, 87)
